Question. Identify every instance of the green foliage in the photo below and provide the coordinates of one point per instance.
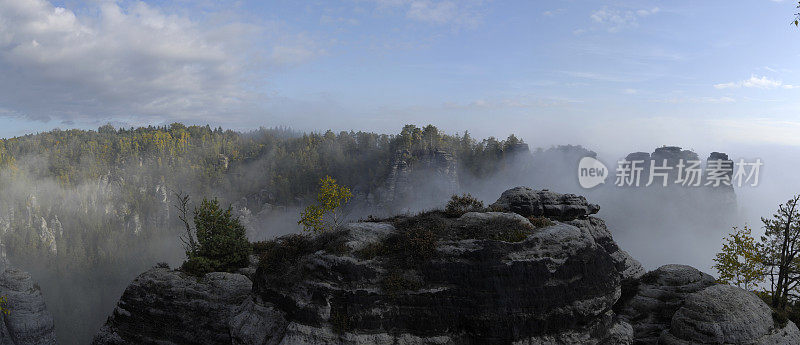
(740, 263)
(458, 205)
(199, 265)
(326, 213)
(221, 242)
(796, 20)
(779, 250)
(4, 307)
(781, 316)
(108, 189)
(746, 263)
(221, 239)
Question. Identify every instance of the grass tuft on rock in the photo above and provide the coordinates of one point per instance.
(540, 222)
(458, 205)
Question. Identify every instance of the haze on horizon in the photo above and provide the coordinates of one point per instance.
(617, 76)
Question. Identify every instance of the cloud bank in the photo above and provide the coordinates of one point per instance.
(111, 62)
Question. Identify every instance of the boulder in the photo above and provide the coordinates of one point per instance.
(657, 296)
(724, 314)
(543, 203)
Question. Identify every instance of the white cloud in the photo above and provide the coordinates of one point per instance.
(553, 13)
(615, 19)
(462, 13)
(709, 100)
(127, 61)
(755, 82)
(645, 13)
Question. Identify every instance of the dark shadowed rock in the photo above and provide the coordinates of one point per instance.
(724, 314)
(482, 278)
(255, 323)
(558, 284)
(170, 307)
(28, 321)
(543, 203)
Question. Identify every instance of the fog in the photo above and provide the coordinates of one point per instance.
(655, 225)
(102, 252)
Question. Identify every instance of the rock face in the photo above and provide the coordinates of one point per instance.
(543, 203)
(28, 321)
(481, 278)
(628, 267)
(420, 175)
(166, 306)
(557, 279)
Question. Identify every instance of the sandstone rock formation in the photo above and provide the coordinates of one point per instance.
(656, 298)
(28, 321)
(419, 176)
(165, 305)
(543, 203)
(481, 278)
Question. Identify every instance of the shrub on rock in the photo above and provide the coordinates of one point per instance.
(458, 205)
(221, 241)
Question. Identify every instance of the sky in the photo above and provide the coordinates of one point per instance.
(610, 75)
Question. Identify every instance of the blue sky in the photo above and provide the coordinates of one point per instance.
(606, 74)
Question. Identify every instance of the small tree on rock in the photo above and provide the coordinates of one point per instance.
(780, 250)
(739, 263)
(221, 241)
(326, 214)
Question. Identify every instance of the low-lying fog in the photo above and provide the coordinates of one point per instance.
(654, 227)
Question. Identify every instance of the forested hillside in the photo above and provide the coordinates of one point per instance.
(86, 210)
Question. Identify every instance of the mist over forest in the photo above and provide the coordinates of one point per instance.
(169, 172)
(86, 211)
